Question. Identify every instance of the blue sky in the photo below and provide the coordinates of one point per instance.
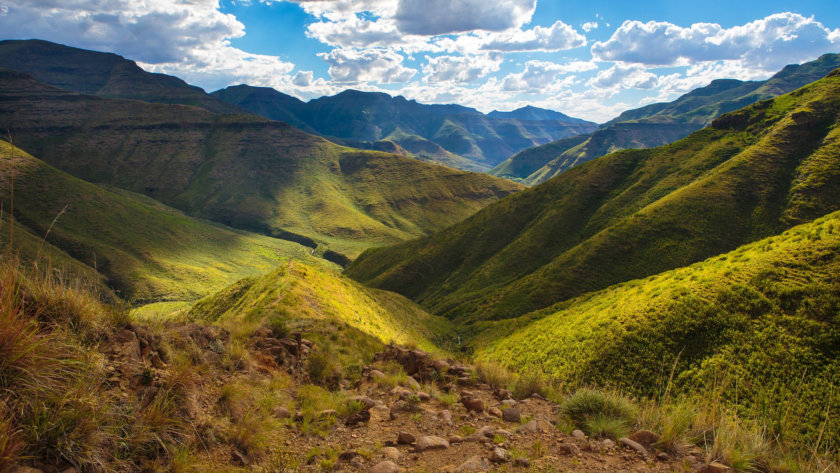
(587, 59)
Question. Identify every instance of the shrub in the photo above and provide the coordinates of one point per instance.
(528, 384)
(322, 370)
(599, 413)
(494, 374)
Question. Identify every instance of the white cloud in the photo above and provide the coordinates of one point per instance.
(187, 38)
(369, 65)
(589, 26)
(556, 37)
(544, 77)
(303, 78)
(624, 76)
(766, 44)
(460, 68)
(436, 17)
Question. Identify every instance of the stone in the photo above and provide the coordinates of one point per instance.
(569, 449)
(474, 464)
(535, 425)
(441, 366)
(472, 403)
(430, 442)
(509, 402)
(376, 374)
(523, 462)
(635, 446)
(495, 412)
(358, 418)
(663, 457)
(385, 467)
(380, 413)
(281, 412)
(445, 416)
(579, 435)
(608, 444)
(424, 396)
(512, 414)
(69, 470)
(645, 437)
(499, 455)
(390, 453)
(365, 401)
(412, 383)
(405, 438)
(716, 467)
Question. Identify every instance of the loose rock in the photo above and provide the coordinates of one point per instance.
(430, 442)
(405, 438)
(390, 453)
(635, 446)
(645, 437)
(385, 467)
(474, 464)
(499, 455)
(716, 467)
(511, 414)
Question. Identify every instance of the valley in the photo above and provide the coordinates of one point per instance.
(246, 281)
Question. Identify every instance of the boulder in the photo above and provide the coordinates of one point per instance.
(635, 446)
(405, 438)
(358, 418)
(430, 442)
(495, 412)
(645, 437)
(281, 412)
(474, 464)
(385, 467)
(511, 414)
(390, 453)
(499, 455)
(472, 403)
(445, 416)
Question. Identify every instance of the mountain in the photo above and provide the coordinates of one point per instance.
(532, 113)
(148, 252)
(453, 135)
(242, 170)
(661, 123)
(631, 214)
(752, 322)
(102, 74)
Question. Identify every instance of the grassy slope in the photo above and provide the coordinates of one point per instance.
(755, 321)
(149, 252)
(242, 170)
(630, 214)
(662, 123)
(299, 295)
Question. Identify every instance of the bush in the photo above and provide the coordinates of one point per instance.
(528, 384)
(322, 370)
(494, 374)
(598, 413)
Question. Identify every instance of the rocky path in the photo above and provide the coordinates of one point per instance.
(411, 431)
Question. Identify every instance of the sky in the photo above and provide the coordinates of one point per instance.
(590, 59)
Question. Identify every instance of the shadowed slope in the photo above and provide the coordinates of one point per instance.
(242, 170)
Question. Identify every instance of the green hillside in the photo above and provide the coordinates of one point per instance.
(661, 123)
(631, 214)
(102, 74)
(241, 170)
(760, 323)
(147, 251)
(297, 295)
(452, 135)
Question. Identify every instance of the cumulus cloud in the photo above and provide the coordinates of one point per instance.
(460, 68)
(589, 26)
(188, 38)
(437, 17)
(303, 78)
(624, 76)
(766, 44)
(542, 76)
(556, 37)
(371, 65)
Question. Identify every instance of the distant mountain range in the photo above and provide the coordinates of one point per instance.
(453, 135)
(244, 171)
(659, 124)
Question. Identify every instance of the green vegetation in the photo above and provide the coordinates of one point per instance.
(628, 215)
(300, 295)
(243, 171)
(660, 123)
(147, 251)
(756, 327)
